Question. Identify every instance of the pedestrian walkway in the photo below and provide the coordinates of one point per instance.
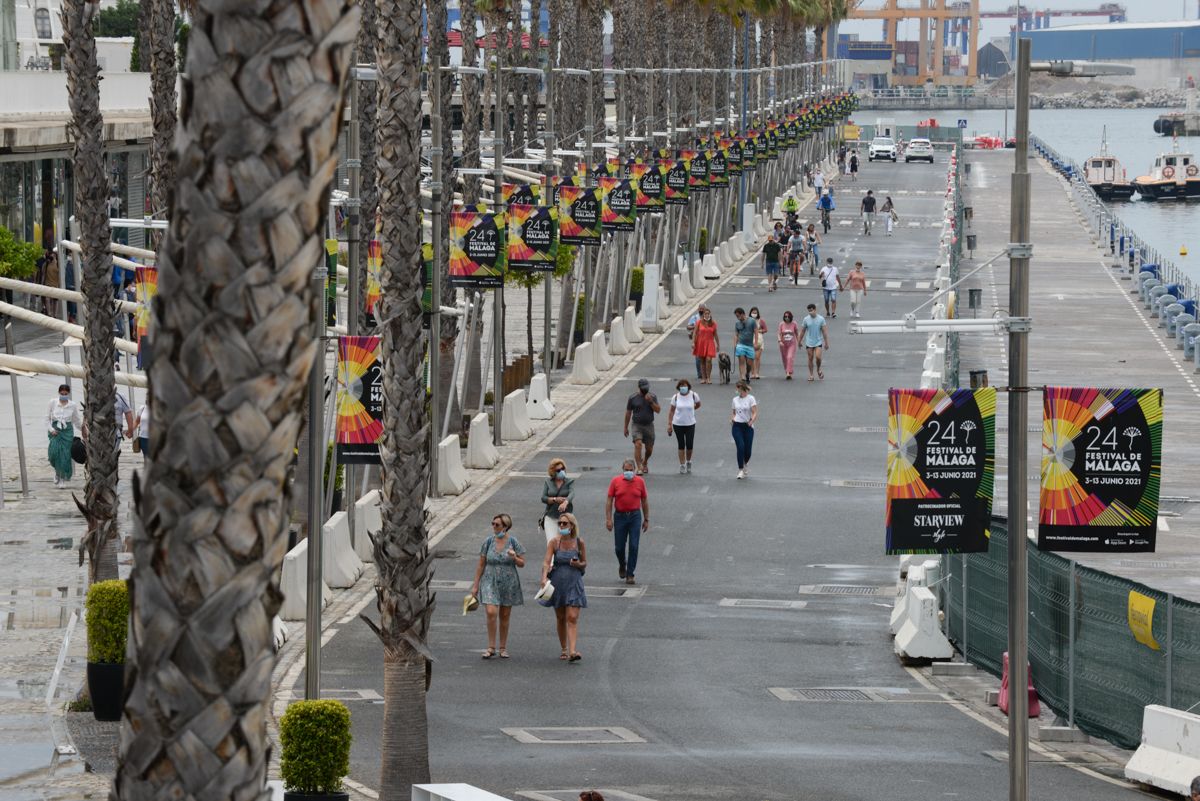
(1088, 330)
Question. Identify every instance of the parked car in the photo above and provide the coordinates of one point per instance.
(919, 150)
(882, 147)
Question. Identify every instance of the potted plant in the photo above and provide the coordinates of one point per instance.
(637, 283)
(339, 479)
(702, 245)
(315, 755)
(580, 310)
(107, 626)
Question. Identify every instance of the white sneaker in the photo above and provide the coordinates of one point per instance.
(689, 465)
(741, 474)
(58, 483)
(746, 470)
(682, 470)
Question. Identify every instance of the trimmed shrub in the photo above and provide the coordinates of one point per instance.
(702, 247)
(107, 621)
(580, 307)
(315, 739)
(637, 280)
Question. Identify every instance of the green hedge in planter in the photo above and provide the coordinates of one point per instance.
(580, 310)
(702, 247)
(315, 739)
(637, 280)
(107, 622)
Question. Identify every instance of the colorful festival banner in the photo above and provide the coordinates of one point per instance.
(697, 170)
(733, 156)
(675, 186)
(579, 216)
(750, 151)
(359, 424)
(532, 237)
(525, 194)
(941, 466)
(650, 180)
(1101, 469)
(146, 287)
(718, 169)
(374, 291)
(427, 293)
(771, 137)
(477, 253)
(618, 211)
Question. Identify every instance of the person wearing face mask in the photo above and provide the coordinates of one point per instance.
(742, 419)
(640, 410)
(558, 494)
(627, 515)
(62, 419)
(681, 419)
(760, 331)
(563, 567)
(497, 584)
(705, 344)
(789, 339)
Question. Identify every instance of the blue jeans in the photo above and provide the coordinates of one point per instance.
(743, 438)
(627, 530)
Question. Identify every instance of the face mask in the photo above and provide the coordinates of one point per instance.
(787, 318)
(628, 475)
(684, 390)
(63, 398)
(566, 532)
(561, 474)
(754, 315)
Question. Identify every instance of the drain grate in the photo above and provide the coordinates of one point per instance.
(442, 584)
(858, 695)
(840, 589)
(854, 483)
(1159, 564)
(866, 430)
(616, 592)
(831, 694)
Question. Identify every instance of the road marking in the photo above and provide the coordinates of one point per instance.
(688, 517)
(892, 284)
(562, 735)
(1162, 525)
(668, 549)
(924, 284)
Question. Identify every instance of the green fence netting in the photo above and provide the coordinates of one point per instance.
(1114, 675)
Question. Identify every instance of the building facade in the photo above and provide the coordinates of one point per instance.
(1163, 54)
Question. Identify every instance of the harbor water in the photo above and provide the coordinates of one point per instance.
(1076, 134)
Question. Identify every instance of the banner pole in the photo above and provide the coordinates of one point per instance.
(500, 112)
(316, 455)
(8, 347)
(549, 358)
(435, 295)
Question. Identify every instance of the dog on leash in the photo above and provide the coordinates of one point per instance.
(725, 366)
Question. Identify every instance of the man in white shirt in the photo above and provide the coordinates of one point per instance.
(831, 283)
(818, 182)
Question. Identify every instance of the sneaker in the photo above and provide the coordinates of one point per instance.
(746, 471)
(621, 572)
(741, 474)
(689, 465)
(682, 470)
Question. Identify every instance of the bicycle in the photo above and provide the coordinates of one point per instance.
(825, 220)
(795, 263)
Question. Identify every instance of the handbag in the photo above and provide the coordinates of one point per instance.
(78, 451)
(137, 445)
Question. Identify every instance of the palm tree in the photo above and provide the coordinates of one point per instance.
(368, 104)
(401, 550)
(234, 323)
(91, 210)
(160, 29)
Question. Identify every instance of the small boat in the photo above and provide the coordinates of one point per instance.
(1174, 176)
(1105, 175)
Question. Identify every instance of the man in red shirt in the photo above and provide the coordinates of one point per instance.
(627, 515)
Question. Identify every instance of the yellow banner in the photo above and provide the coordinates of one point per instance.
(1141, 619)
(850, 131)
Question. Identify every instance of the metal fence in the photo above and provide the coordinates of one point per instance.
(1086, 664)
(938, 136)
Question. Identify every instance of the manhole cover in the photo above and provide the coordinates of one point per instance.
(854, 483)
(839, 589)
(762, 603)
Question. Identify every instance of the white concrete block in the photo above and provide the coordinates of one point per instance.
(920, 637)
(368, 523)
(600, 352)
(678, 285)
(340, 566)
(514, 420)
(933, 572)
(632, 325)
(696, 275)
(664, 311)
(538, 405)
(618, 345)
(749, 236)
(583, 371)
(915, 578)
(905, 561)
(452, 477)
(452, 792)
(293, 583)
(481, 453)
(1169, 756)
(710, 267)
(777, 209)
(279, 632)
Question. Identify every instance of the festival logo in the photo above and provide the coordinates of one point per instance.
(359, 424)
(477, 252)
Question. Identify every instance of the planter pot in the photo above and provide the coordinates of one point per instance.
(636, 297)
(106, 686)
(578, 337)
(337, 501)
(288, 795)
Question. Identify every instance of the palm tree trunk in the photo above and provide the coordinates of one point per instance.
(368, 111)
(234, 324)
(402, 549)
(470, 103)
(91, 181)
(163, 103)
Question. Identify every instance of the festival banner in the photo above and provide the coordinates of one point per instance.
(427, 293)
(697, 170)
(359, 424)
(146, 288)
(477, 253)
(603, 170)
(524, 194)
(771, 138)
(750, 151)
(374, 292)
(718, 169)
(1101, 469)
(941, 466)
(650, 187)
(532, 237)
(579, 216)
(733, 156)
(618, 211)
(675, 186)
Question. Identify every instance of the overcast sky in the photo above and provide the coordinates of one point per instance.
(1136, 11)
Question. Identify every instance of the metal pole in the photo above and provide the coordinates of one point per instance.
(501, 111)
(1018, 455)
(1071, 651)
(435, 304)
(8, 346)
(743, 178)
(354, 256)
(549, 358)
(316, 457)
(588, 288)
(965, 618)
(1170, 688)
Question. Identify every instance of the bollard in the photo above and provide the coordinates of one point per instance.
(618, 345)
(514, 422)
(451, 477)
(538, 405)
(481, 453)
(710, 267)
(368, 522)
(583, 371)
(340, 566)
(600, 352)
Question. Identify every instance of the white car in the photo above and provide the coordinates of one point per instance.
(882, 147)
(919, 150)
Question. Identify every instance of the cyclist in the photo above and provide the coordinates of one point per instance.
(791, 206)
(796, 253)
(813, 240)
(868, 211)
(826, 205)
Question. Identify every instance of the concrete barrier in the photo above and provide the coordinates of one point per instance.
(514, 422)
(696, 275)
(452, 477)
(600, 352)
(340, 566)
(583, 371)
(749, 236)
(481, 453)
(711, 266)
(914, 578)
(279, 632)
(368, 523)
(905, 560)
(665, 309)
(453, 792)
(678, 285)
(633, 326)
(538, 405)
(618, 345)
(1169, 756)
(724, 260)
(920, 637)
(293, 583)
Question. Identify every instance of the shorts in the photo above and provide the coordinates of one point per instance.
(744, 350)
(772, 268)
(830, 295)
(642, 432)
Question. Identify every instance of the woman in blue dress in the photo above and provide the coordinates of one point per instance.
(566, 558)
(497, 584)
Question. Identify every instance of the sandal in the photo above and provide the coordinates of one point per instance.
(575, 657)
(821, 376)
(565, 655)
(504, 653)
(489, 653)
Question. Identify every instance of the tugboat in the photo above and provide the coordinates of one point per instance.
(1105, 175)
(1175, 176)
